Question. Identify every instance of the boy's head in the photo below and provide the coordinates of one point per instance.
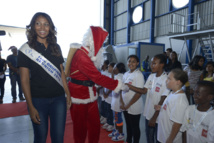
(158, 63)
(204, 92)
(105, 65)
(13, 49)
(180, 75)
(111, 67)
(132, 62)
(176, 79)
(119, 68)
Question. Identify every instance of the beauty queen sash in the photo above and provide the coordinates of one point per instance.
(42, 61)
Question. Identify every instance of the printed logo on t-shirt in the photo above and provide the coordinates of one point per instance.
(164, 107)
(159, 84)
(157, 89)
(204, 133)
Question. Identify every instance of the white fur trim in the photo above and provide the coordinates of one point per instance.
(75, 45)
(91, 92)
(88, 41)
(119, 86)
(85, 101)
(99, 58)
(93, 59)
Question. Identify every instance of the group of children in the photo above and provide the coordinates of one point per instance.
(169, 117)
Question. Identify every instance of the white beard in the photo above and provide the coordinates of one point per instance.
(99, 59)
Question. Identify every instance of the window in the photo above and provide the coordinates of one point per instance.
(179, 3)
(137, 14)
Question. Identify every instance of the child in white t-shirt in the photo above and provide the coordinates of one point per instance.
(102, 104)
(198, 121)
(157, 91)
(107, 94)
(117, 134)
(132, 102)
(173, 109)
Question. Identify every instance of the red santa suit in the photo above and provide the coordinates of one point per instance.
(84, 109)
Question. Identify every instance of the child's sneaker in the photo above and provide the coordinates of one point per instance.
(101, 118)
(118, 137)
(104, 120)
(113, 133)
(105, 126)
(110, 128)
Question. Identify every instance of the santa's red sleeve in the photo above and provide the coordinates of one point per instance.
(86, 66)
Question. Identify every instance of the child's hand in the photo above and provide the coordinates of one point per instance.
(122, 106)
(152, 122)
(169, 141)
(125, 87)
(157, 107)
(105, 95)
(98, 90)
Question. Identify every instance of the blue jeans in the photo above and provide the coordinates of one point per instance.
(109, 114)
(104, 109)
(151, 133)
(13, 80)
(55, 109)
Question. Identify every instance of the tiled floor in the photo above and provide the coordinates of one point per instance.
(19, 129)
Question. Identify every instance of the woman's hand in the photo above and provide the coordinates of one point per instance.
(69, 102)
(34, 115)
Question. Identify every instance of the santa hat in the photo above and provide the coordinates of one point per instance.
(12, 47)
(94, 38)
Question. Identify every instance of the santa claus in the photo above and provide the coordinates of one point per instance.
(81, 68)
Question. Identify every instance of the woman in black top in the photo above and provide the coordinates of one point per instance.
(174, 63)
(3, 68)
(44, 91)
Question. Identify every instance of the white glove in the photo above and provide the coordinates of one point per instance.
(125, 87)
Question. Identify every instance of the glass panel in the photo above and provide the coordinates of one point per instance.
(137, 14)
(179, 3)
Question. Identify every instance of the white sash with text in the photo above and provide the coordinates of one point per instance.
(42, 61)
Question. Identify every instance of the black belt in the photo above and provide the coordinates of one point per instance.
(82, 82)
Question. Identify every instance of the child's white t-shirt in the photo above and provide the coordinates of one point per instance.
(108, 99)
(101, 90)
(156, 87)
(135, 79)
(115, 101)
(204, 132)
(172, 110)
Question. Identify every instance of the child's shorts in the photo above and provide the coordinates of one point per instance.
(118, 118)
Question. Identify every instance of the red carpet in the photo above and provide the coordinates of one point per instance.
(20, 108)
(13, 109)
(68, 138)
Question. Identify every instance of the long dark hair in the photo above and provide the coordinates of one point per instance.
(51, 39)
(194, 63)
(176, 56)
